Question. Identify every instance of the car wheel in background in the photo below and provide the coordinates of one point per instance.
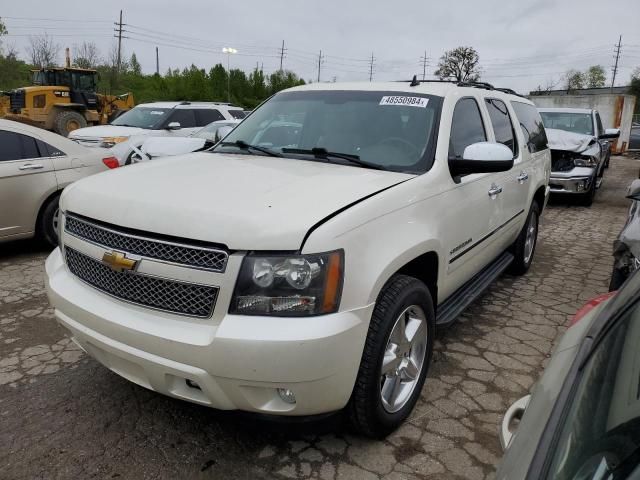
(525, 245)
(68, 121)
(587, 198)
(395, 359)
(48, 221)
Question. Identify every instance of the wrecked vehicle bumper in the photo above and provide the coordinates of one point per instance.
(576, 180)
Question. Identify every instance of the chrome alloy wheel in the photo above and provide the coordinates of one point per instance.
(403, 358)
(530, 239)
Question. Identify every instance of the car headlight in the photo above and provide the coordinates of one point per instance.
(585, 161)
(109, 142)
(289, 285)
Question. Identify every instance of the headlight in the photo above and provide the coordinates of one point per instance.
(585, 161)
(289, 285)
(109, 142)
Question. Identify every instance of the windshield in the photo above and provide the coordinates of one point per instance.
(209, 132)
(143, 117)
(600, 437)
(238, 114)
(569, 122)
(391, 130)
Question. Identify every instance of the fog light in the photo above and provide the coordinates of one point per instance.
(287, 395)
(580, 186)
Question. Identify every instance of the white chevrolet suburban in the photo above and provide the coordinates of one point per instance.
(302, 265)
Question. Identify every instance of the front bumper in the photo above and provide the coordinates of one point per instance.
(577, 180)
(236, 363)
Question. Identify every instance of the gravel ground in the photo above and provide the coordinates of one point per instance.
(62, 415)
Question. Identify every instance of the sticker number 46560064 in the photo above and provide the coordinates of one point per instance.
(405, 101)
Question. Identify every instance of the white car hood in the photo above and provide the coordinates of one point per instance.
(107, 131)
(569, 141)
(245, 202)
(167, 146)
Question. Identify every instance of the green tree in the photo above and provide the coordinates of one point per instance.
(218, 83)
(460, 64)
(574, 80)
(134, 65)
(595, 76)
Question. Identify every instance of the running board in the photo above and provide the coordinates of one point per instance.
(453, 306)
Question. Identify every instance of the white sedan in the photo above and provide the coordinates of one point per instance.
(206, 137)
(35, 165)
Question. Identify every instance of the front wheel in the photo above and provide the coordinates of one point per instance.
(48, 221)
(395, 359)
(525, 245)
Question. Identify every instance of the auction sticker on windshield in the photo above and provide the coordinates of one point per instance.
(405, 101)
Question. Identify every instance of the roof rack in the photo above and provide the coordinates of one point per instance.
(414, 82)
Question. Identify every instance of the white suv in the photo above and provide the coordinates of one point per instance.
(303, 264)
(172, 119)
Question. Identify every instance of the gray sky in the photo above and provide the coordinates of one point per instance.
(521, 43)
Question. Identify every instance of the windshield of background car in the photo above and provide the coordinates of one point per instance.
(600, 435)
(393, 130)
(569, 122)
(237, 114)
(143, 117)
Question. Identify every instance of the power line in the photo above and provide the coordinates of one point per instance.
(320, 59)
(615, 67)
(282, 50)
(424, 61)
(119, 31)
(371, 68)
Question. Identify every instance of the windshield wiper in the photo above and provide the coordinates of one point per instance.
(323, 153)
(242, 145)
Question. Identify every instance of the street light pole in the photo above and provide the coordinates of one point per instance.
(229, 51)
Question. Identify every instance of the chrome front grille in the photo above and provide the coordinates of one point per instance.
(159, 293)
(206, 258)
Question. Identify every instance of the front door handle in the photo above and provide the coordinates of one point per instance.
(494, 191)
(523, 177)
(31, 166)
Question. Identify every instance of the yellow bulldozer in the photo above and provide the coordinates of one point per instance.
(62, 99)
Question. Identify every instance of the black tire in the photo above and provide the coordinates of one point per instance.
(521, 263)
(606, 162)
(45, 229)
(618, 277)
(67, 121)
(586, 199)
(366, 411)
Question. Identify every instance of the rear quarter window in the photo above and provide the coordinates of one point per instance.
(531, 125)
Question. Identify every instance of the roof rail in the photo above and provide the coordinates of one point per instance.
(474, 84)
(510, 92)
(184, 103)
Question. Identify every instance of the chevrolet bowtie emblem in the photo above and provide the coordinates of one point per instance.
(118, 262)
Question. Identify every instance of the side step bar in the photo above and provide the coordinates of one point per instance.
(453, 306)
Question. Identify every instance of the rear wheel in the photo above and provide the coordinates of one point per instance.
(48, 221)
(525, 246)
(395, 358)
(68, 121)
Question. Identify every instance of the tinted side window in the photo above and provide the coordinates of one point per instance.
(206, 116)
(466, 127)
(599, 122)
(184, 117)
(47, 150)
(11, 146)
(238, 114)
(501, 121)
(29, 148)
(532, 127)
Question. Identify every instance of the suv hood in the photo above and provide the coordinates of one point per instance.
(568, 141)
(245, 202)
(167, 146)
(106, 131)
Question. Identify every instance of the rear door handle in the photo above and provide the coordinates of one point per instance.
(494, 191)
(31, 166)
(523, 177)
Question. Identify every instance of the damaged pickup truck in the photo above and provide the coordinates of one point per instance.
(579, 150)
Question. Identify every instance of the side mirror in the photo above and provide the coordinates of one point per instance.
(610, 133)
(174, 126)
(634, 188)
(482, 157)
(222, 132)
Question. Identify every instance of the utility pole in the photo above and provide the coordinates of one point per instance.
(425, 62)
(282, 50)
(320, 60)
(371, 67)
(157, 62)
(615, 67)
(119, 32)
